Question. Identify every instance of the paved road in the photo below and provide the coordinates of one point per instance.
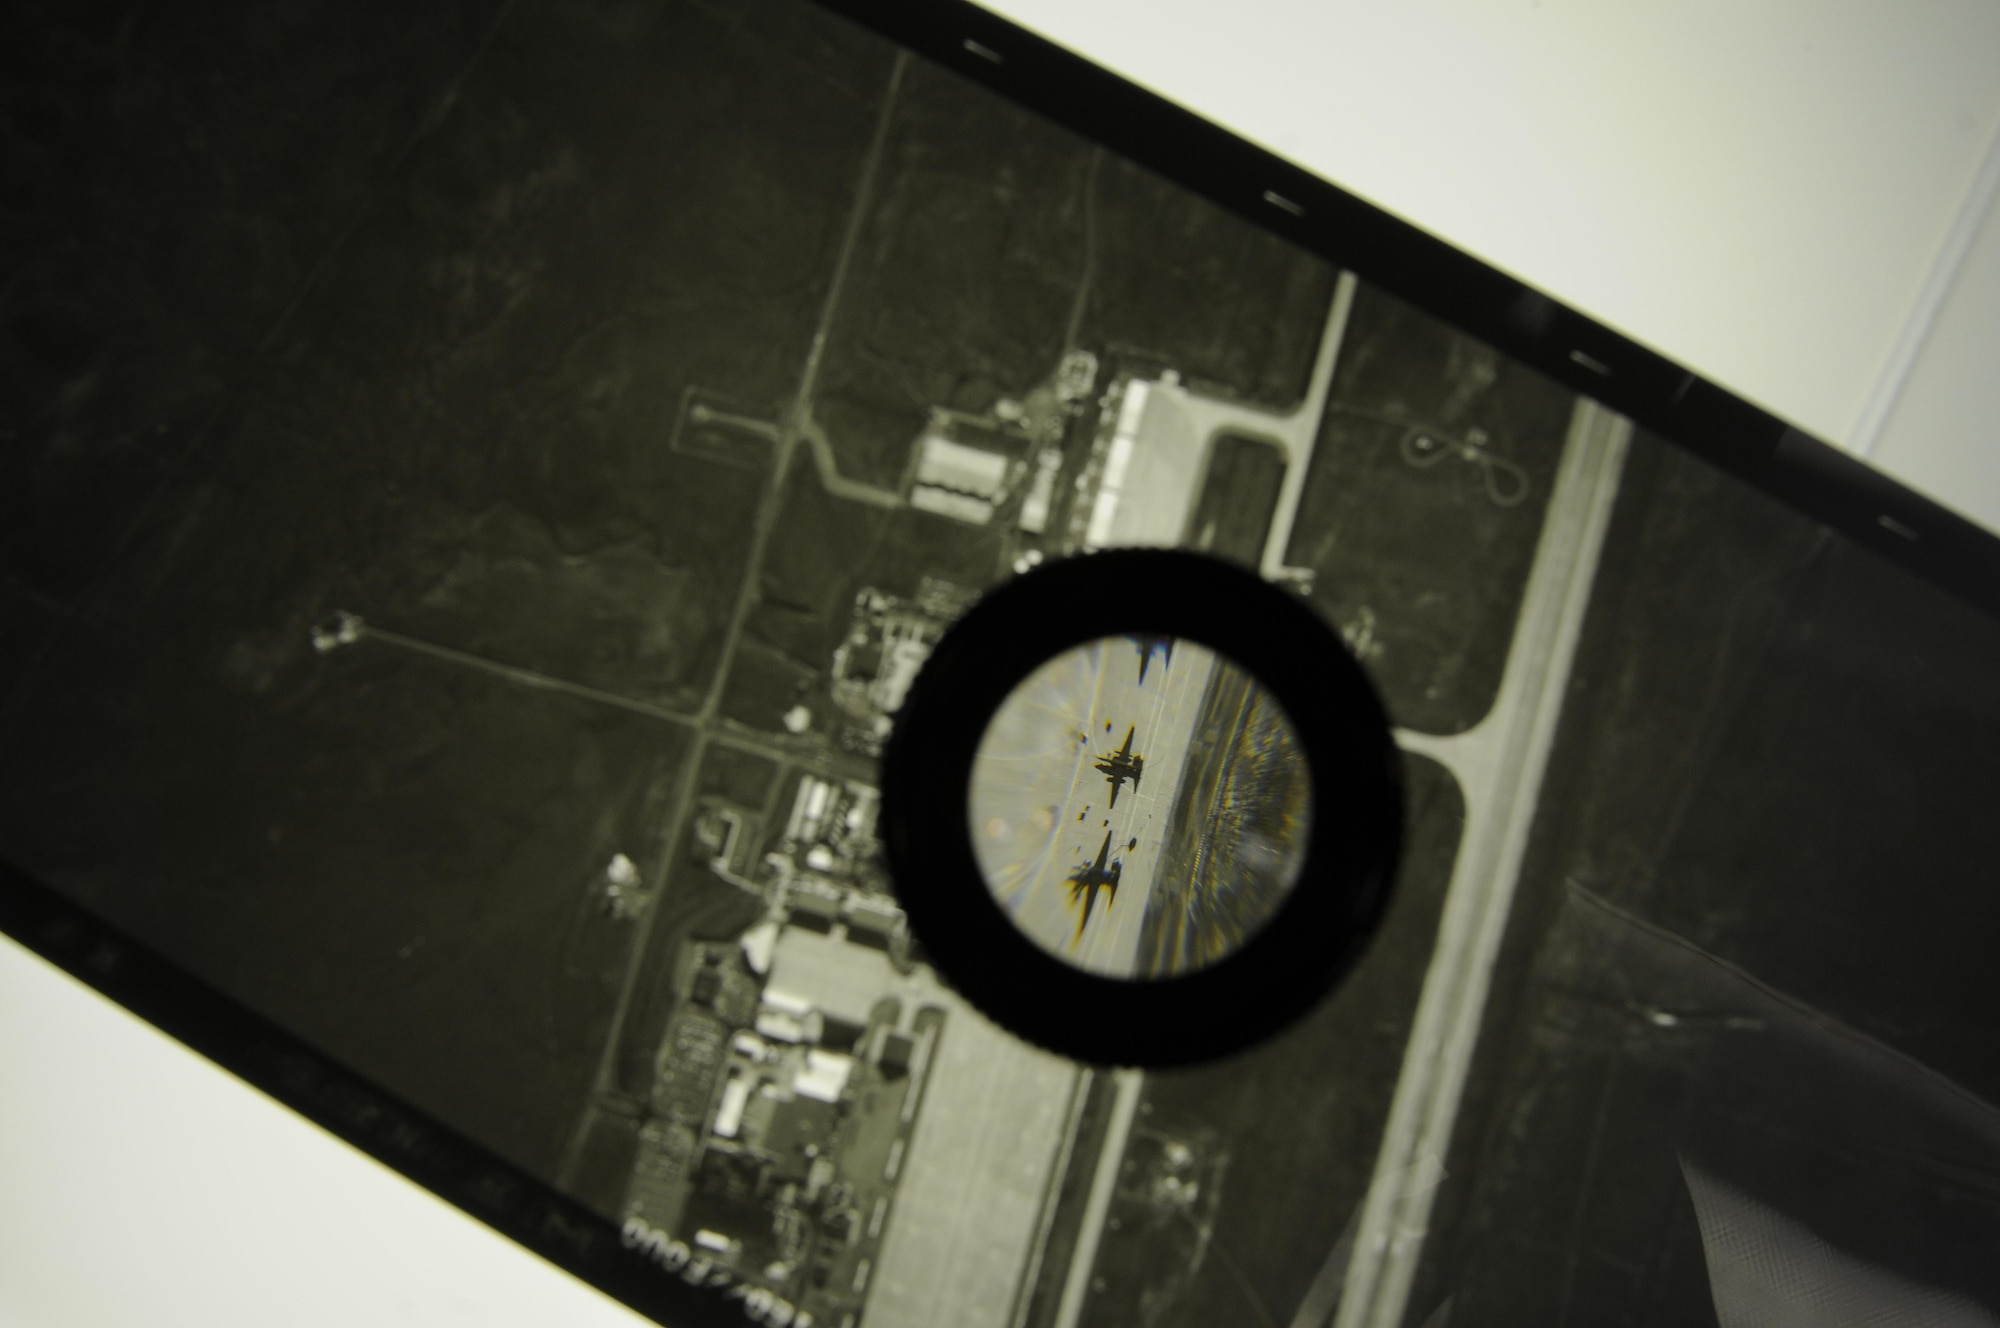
(789, 435)
(1040, 809)
(1499, 765)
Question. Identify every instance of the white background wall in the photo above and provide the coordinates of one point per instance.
(1792, 197)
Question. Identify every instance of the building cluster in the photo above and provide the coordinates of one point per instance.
(973, 468)
(786, 1085)
(1132, 439)
(785, 1095)
(888, 639)
(831, 832)
(829, 847)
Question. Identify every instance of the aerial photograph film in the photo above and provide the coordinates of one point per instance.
(481, 478)
(1204, 855)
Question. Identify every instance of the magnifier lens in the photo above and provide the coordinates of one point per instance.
(1139, 806)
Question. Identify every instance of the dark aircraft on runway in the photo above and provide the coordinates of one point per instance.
(1121, 765)
(1088, 879)
(1149, 643)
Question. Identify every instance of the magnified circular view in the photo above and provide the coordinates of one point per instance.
(1139, 806)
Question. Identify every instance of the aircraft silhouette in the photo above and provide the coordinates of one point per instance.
(1149, 643)
(1088, 879)
(1121, 765)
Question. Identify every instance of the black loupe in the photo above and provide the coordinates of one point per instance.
(1142, 807)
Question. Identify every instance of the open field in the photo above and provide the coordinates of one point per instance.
(1736, 942)
(1295, 1120)
(1422, 506)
